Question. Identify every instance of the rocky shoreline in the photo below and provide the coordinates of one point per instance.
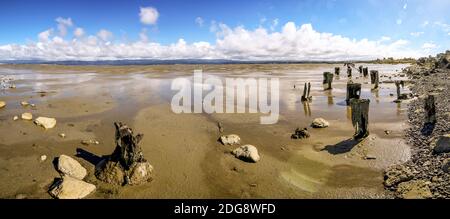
(426, 174)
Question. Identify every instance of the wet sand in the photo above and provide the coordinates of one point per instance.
(189, 162)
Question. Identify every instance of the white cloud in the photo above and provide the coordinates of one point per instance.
(148, 15)
(105, 35)
(385, 38)
(63, 25)
(399, 21)
(292, 42)
(78, 32)
(199, 21)
(43, 36)
(429, 46)
(143, 35)
(416, 34)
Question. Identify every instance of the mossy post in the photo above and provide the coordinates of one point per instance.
(374, 79)
(349, 71)
(430, 110)
(353, 92)
(337, 70)
(306, 91)
(365, 71)
(327, 80)
(360, 117)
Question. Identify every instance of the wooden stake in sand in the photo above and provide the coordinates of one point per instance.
(374, 79)
(365, 71)
(306, 91)
(327, 80)
(430, 110)
(353, 92)
(360, 117)
(337, 70)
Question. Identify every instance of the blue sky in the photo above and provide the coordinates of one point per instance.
(415, 26)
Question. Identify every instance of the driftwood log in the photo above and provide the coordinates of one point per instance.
(365, 71)
(327, 80)
(126, 165)
(353, 92)
(374, 79)
(430, 110)
(306, 90)
(360, 117)
(337, 70)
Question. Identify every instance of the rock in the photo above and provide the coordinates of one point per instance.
(2, 104)
(446, 165)
(320, 123)
(15, 118)
(69, 166)
(24, 103)
(387, 132)
(247, 153)
(397, 174)
(27, 116)
(45, 122)
(113, 173)
(43, 158)
(300, 133)
(141, 173)
(70, 188)
(415, 189)
(442, 144)
(62, 135)
(230, 139)
(89, 142)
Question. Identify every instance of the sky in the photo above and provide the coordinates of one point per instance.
(223, 29)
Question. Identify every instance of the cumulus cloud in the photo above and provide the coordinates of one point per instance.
(148, 15)
(199, 21)
(78, 32)
(43, 36)
(105, 35)
(292, 42)
(63, 25)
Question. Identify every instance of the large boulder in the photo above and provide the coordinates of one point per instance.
(320, 123)
(441, 144)
(69, 166)
(70, 188)
(247, 153)
(415, 189)
(397, 174)
(45, 122)
(230, 139)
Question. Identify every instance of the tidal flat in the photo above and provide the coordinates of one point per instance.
(188, 159)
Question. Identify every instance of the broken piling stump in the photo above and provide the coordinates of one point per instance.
(430, 110)
(360, 117)
(126, 165)
(327, 80)
(360, 68)
(400, 96)
(374, 79)
(353, 92)
(306, 91)
(349, 71)
(365, 71)
(337, 70)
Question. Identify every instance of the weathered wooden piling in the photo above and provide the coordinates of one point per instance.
(327, 80)
(430, 110)
(306, 91)
(365, 71)
(353, 92)
(337, 70)
(360, 68)
(400, 96)
(360, 117)
(349, 71)
(374, 79)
